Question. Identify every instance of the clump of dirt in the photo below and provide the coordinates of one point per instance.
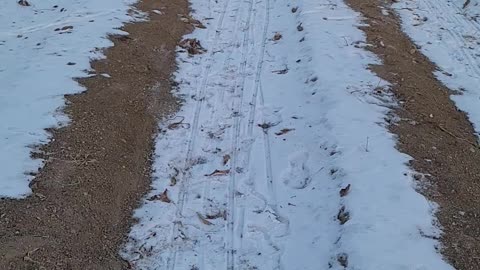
(99, 166)
(433, 131)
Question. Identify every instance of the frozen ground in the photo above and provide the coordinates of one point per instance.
(42, 47)
(279, 157)
(449, 35)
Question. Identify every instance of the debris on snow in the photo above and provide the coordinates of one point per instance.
(300, 27)
(192, 45)
(342, 259)
(226, 158)
(218, 173)
(277, 36)
(161, 197)
(284, 131)
(344, 191)
(24, 3)
(343, 215)
(203, 219)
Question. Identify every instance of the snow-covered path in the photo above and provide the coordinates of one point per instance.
(448, 34)
(42, 48)
(279, 158)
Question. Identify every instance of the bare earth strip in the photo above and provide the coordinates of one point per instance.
(433, 131)
(99, 166)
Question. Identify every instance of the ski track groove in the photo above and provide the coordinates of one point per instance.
(219, 102)
(229, 239)
(440, 9)
(183, 193)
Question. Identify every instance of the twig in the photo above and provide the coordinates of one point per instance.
(455, 136)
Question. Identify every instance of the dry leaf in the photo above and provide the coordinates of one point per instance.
(218, 173)
(220, 214)
(281, 71)
(192, 45)
(277, 36)
(162, 197)
(284, 131)
(203, 220)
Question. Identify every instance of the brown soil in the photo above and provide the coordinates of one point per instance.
(99, 166)
(438, 136)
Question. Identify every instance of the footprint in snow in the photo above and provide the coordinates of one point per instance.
(297, 174)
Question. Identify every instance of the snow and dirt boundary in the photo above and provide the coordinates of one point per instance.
(279, 151)
(43, 47)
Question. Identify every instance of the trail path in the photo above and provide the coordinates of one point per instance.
(277, 159)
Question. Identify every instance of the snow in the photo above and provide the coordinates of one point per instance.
(35, 74)
(272, 131)
(448, 36)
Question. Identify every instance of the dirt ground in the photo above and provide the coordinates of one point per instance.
(433, 131)
(98, 167)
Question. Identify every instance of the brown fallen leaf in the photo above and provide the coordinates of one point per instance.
(161, 197)
(344, 191)
(203, 220)
(192, 45)
(284, 131)
(218, 173)
(226, 158)
(220, 214)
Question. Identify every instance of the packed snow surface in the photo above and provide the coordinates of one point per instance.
(42, 48)
(280, 157)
